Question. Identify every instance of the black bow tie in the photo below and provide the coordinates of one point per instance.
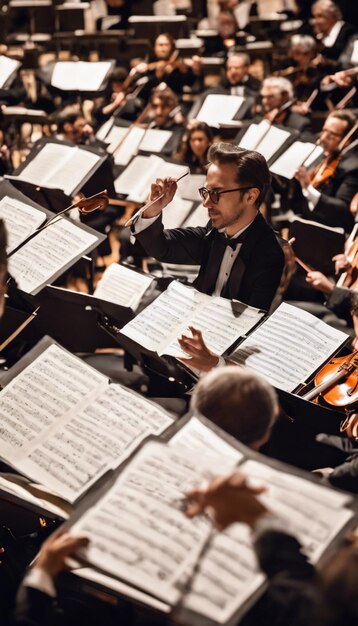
(232, 242)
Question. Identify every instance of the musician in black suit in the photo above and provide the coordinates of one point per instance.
(328, 201)
(238, 253)
(329, 27)
(277, 97)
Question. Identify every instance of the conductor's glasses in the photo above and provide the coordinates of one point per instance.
(214, 194)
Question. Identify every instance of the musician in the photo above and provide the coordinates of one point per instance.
(116, 102)
(74, 127)
(195, 145)
(167, 68)
(239, 402)
(330, 29)
(276, 95)
(305, 75)
(165, 114)
(326, 199)
(238, 253)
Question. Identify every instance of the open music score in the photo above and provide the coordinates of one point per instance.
(149, 204)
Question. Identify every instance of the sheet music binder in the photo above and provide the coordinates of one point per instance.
(57, 199)
(179, 613)
(45, 74)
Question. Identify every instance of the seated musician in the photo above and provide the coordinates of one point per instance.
(277, 97)
(326, 192)
(239, 402)
(74, 127)
(194, 147)
(304, 73)
(166, 67)
(238, 253)
(165, 114)
(116, 101)
(330, 30)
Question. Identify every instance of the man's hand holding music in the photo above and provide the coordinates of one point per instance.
(162, 193)
(303, 177)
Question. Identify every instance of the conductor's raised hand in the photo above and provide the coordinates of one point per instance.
(162, 193)
(200, 357)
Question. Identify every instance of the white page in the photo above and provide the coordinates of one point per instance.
(194, 436)
(199, 217)
(242, 14)
(21, 220)
(154, 140)
(82, 447)
(46, 163)
(151, 544)
(316, 153)
(288, 347)
(227, 575)
(287, 164)
(47, 253)
(253, 135)
(122, 286)
(115, 136)
(129, 147)
(190, 190)
(103, 131)
(163, 317)
(42, 393)
(80, 75)
(354, 57)
(272, 142)
(71, 172)
(219, 325)
(7, 67)
(175, 213)
(312, 513)
(218, 109)
(136, 179)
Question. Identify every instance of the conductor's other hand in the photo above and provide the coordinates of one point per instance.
(52, 558)
(201, 357)
(227, 499)
(162, 192)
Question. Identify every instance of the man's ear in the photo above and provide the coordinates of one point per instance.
(252, 195)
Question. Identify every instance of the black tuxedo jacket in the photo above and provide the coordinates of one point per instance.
(257, 269)
(333, 52)
(336, 195)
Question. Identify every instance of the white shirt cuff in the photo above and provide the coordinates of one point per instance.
(142, 223)
(36, 578)
(312, 195)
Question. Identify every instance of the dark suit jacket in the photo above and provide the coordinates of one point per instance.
(333, 52)
(336, 195)
(256, 272)
(33, 608)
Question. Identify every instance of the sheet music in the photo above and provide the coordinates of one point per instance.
(79, 449)
(122, 286)
(176, 212)
(288, 347)
(130, 183)
(103, 131)
(151, 544)
(53, 384)
(253, 135)
(218, 109)
(154, 140)
(20, 219)
(199, 217)
(219, 324)
(312, 513)
(316, 154)
(115, 136)
(79, 75)
(287, 164)
(38, 261)
(190, 190)
(129, 146)
(272, 141)
(194, 435)
(163, 317)
(7, 67)
(59, 167)
(227, 575)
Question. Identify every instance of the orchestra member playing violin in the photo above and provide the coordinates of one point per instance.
(277, 98)
(331, 31)
(327, 190)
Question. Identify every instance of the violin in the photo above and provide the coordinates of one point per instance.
(278, 114)
(323, 172)
(336, 384)
(98, 202)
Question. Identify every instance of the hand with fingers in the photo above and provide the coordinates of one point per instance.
(162, 193)
(201, 357)
(227, 499)
(52, 558)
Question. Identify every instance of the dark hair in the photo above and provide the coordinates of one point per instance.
(344, 116)
(170, 39)
(3, 245)
(167, 96)
(240, 402)
(185, 152)
(252, 169)
(118, 75)
(69, 118)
